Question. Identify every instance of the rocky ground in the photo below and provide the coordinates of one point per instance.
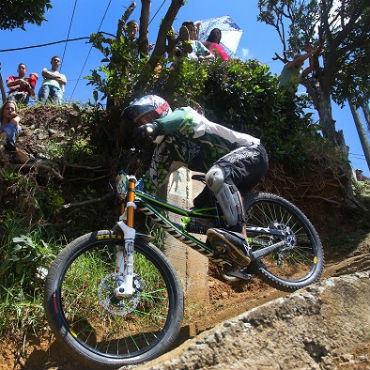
(325, 326)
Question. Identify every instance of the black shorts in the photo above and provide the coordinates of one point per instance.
(244, 166)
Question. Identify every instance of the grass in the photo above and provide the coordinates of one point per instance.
(22, 252)
(83, 293)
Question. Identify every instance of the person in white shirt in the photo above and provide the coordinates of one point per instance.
(52, 88)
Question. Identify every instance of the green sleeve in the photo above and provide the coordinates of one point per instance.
(172, 122)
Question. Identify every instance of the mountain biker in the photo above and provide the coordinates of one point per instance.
(234, 162)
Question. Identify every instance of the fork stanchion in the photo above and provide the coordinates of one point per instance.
(131, 199)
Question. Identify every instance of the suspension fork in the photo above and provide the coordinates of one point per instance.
(126, 288)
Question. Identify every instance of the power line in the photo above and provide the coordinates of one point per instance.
(355, 154)
(68, 33)
(88, 54)
(52, 43)
(157, 11)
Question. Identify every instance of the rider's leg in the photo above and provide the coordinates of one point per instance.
(228, 197)
(237, 171)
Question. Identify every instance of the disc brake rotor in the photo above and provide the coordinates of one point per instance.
(114, 305)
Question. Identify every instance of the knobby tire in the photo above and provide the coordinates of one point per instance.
(83, 314)
(292, 269)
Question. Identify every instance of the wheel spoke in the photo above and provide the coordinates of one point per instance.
(296, 260)
(100, 324)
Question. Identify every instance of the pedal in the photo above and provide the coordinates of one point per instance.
(238, 273)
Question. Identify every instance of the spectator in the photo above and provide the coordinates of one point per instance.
(10, 128)
(360, 176)
(313, 59)
(192, 46)
(213, 44)
(132, 29)
(52, 88)
(22, 87)
(292, 72)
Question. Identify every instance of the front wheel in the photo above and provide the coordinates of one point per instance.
(98, 328)
(297, 263)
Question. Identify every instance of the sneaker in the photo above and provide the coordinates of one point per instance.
(231, 240)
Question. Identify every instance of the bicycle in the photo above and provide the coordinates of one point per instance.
(113, 298)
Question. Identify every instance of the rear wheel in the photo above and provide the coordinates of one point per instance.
(300, 261)
(100, 329)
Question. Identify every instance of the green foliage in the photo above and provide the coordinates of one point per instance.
(14, 13)
(244, 96)
(183, 85)
(20, 315)
(362, 189)
(49, 202)
(22, 254)
(121, 70)
(241, 95)
(340, 28)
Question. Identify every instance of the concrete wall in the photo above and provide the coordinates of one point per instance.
(190, 265)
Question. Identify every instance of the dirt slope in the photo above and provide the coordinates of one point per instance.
(226, 304)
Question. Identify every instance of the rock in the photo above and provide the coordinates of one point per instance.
(303, 330)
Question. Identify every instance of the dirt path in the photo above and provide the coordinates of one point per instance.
(225, 303)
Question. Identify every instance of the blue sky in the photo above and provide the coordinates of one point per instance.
(258, 41)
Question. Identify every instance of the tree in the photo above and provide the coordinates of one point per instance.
(342, 29)
(15, 13)
(130, 70)
(361, 133)
(366, 110)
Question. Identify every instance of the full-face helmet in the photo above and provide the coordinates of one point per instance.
(151, 105)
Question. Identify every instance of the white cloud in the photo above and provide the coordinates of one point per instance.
(245, 53)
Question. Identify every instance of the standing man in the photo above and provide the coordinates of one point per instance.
(52, 87)
(21, 87)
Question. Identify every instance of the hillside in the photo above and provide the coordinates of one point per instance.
(63, 190)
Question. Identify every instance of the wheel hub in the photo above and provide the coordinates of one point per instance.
(120, 306)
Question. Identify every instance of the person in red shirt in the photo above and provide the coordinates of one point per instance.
(21, 87)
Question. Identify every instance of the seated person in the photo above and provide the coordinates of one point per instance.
(213, 44)
(132, 29)
(10, 129)
(21, 87)
(195, 49)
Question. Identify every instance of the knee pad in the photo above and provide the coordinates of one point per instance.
(227, 196)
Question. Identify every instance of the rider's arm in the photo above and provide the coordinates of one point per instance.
(173, 121)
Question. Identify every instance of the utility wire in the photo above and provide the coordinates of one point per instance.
(157, 11)
(68, 33)
(358, 154)
(88, 54)
(53, 42)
